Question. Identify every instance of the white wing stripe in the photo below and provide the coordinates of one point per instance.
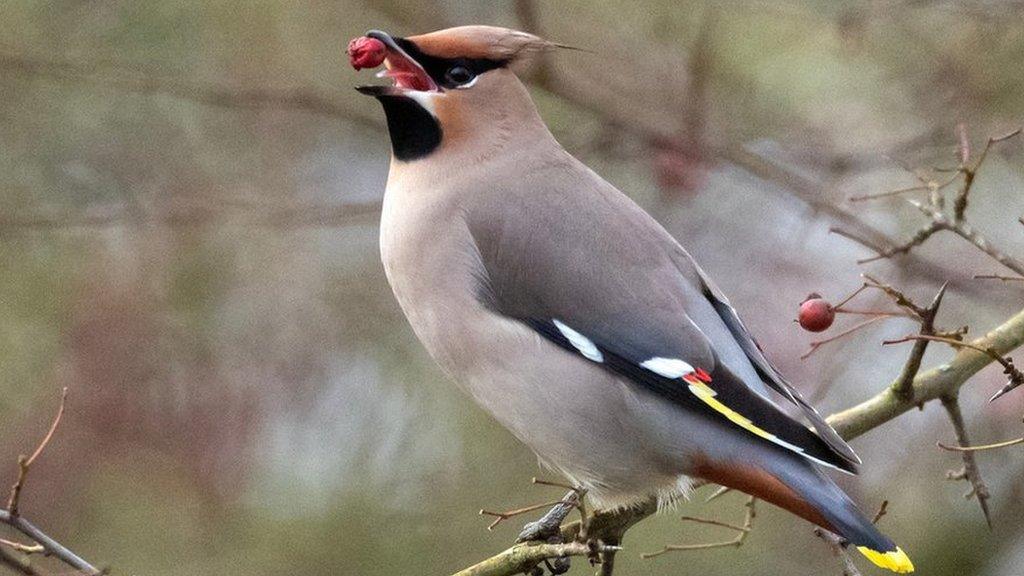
(587, 348)
(667, 367)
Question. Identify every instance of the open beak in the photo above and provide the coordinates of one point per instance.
(407, 74)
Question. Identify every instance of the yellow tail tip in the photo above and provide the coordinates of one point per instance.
(895, 560)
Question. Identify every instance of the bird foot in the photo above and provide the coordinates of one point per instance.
(555, 566)
(549, 525)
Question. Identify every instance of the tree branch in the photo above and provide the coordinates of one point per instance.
(51, 546)
(971, 472)
(932, 384)
(523, 557)
(964, 230)
(903, 385)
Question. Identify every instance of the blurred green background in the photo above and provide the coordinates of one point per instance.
(188, 242)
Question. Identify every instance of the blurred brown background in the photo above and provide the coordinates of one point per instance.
(188, 197)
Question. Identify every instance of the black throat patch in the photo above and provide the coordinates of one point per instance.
(414, 132)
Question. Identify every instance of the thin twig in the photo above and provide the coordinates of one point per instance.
(963, 143)
(967, 232)
(969, 172)
(1016, 379)
(869, 244)
(554, 483)
(931, 384)
(885, 313)
(896, 192)
(926, 185)
(996, 140)
(713, 523)
(744, 531)
(25, 463)
(971, 471)
(819, 343)
(901, 299)
(502, 516)
(882, 511)
(850, 297)
(999, 277)
(916, 240)
(721, 491)
(23, 548)
(980, 448)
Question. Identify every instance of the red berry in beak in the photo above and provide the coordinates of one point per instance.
(366, 52)
(816, 314)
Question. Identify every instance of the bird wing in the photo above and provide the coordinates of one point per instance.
(597, 276)
(715, 392)
(768, 372)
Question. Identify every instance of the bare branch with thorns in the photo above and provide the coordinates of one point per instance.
(970, 471)
(933, 208)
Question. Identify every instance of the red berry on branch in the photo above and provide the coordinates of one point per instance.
(366, 52)
(816, 314)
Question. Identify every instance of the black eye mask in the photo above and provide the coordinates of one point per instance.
(449, 73)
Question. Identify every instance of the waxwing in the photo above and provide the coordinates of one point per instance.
(568, 313)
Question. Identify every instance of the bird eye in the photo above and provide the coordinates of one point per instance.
(458, 75)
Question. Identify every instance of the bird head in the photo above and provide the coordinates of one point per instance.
(450, 89)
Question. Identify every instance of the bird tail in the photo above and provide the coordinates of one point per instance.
(842, 516)
(796, 485)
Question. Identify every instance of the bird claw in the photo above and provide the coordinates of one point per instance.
(549, 525)
(558, 565)
(535, 531)
(555, 567)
